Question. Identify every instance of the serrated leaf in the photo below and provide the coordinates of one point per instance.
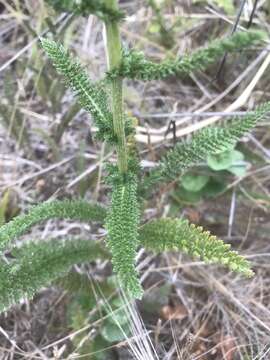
(122, 225)
(238, 170)
(172, 234)
(92, 97)
(209, 141)
(136, 66)
(38, 264)
(65, 209)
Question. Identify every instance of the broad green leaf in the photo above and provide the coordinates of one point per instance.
(232, 161)
(112, 333)
(183, 196)
(239, 166)
(222, 161)
(213, 188)
(194, 183)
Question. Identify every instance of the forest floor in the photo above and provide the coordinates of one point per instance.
(47, 150)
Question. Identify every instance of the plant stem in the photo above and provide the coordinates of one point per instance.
(114, 51)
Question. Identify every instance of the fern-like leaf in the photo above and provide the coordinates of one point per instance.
(122, 226)
(92, 97)
(37, 264)
(87, 7)
(136, 66)
(177, 234)
(66, 209)
(211, 140)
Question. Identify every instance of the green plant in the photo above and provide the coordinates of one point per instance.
(104, 101)
(110, 317)
(210, 179)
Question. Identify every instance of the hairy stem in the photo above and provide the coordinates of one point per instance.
(114, 60)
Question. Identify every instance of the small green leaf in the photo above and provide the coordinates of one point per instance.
(239, 166)
(99, 347)
(238, 170)
(232, 161)
(194, 183)
(77, 318)
(183, 196)
(112, 332)
(117, 315)
(136, 66)
(222, 161)
(213, 188)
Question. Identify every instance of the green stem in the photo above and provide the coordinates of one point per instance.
(114, 50)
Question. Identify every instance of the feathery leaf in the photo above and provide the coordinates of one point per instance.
(66, 209)
(136, 66)
(177, 234)
(208, 141)
(38, 264)
(122, 226)
(92, 97)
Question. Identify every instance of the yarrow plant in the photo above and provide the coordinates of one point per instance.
(36, 264)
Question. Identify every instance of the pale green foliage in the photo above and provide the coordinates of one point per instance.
(122, 226)
(66, 209)
(37, 264)
(177, 234)
(92, 97)
(136, 66)
(208, 141)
